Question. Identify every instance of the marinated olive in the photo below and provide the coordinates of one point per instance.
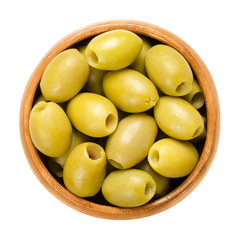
(85, 169)
(131, 141)
(64, 76)
(50, 129)
(113, 50)
(130, 90)
(169, 70)
(173, 158)
(162, 183)
(178, 118)
(195, 97)
(139, 63)
(128, 188)
(92, 114)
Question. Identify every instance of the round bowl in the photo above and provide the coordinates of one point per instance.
(182, 189)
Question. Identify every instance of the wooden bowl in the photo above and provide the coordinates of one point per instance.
(186, 186)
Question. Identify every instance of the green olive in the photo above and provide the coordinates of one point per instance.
(139, 63)
(39, 99)
(128, 188)
(92, 114)
(173, 158)
(131, 141)
(85, 169)
(50, 129)
(195, 97)
(64, 76)
(55, 167)
(63, 105)
(178, 118)
(130, 90)
(94, 82)
(162, 183)
(113, 50)
(77, 138)
(202, 135)
(169, 70)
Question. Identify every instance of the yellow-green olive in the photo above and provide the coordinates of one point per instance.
(94, 82)
(39, 99)
(85, 169)
(173, 158)
(195, 97)
(128, 188)
(178, 118)
(55, 167)
(130, 90)
(202, 135)
(169, 70)
(92, 114)
(131, 141)
(77, 138)
(50, 129)
(162, 183)
(63, 105)
(113, 50)
(64, 76)
(139, 63)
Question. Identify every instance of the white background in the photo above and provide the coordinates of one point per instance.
(29, 29)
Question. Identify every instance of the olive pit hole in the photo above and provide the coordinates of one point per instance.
(115, 164)
(149, 189)
(198, 100)
(197, 132)
(40, 106)
(182, 87)
(154, 156)
(111, 121)
(94, 152)
(92, 57)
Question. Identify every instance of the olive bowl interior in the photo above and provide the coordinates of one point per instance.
(180, 189)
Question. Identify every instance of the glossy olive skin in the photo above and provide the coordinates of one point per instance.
(113, 50)
(130, 91)
(131, 141)
(178, 118)
(50, 129)
(195, 97)
(173, 158)
(92, 114)
(169, 70)
(64, 76)
(139, 63)
(162, 183)
(77, 138)
(85, 169)
(128, 188)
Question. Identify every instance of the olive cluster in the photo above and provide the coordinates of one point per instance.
(119, 114)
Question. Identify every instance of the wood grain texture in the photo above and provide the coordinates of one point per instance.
(213, 123)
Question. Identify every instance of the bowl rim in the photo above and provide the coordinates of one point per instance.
(213, 122)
